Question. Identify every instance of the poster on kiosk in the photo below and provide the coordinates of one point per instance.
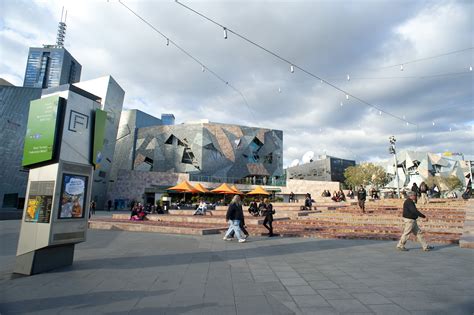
(63, 144)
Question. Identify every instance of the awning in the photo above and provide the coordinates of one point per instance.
(224, 189)
(184, 187)
(259, 191)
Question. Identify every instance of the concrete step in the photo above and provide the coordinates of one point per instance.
(147, 226)
(210, 219)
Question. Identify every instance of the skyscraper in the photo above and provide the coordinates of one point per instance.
(52, 65)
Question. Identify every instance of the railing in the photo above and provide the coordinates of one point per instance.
(272, 181)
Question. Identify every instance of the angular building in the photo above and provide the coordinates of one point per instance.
(51, 66)
(111, 100)
(130, 122)
(326, 168)
(14, 108)
(211, 150)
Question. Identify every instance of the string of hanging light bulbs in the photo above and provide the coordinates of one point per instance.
(204, 67)
(293, 66)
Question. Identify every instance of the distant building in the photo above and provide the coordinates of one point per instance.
(14, 108)
(51, 66)
(167, 119)
(326, 168)
(415, 167)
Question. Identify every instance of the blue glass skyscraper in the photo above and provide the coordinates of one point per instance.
(51, 66)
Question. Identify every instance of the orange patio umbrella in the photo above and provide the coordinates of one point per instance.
(224, 189)
(237, 191)
(259, 191)
(201, 188)
(184, 187)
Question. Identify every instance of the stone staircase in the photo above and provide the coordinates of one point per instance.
(446, 221)
(467, 238)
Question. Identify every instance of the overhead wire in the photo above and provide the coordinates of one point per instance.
(184, 51)
(293, 66)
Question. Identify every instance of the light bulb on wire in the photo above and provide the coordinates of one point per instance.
(342, 104)
(470, 68)
(401, 67)
(348, 78)
(292, 69)
(225, 33)
(347, 96)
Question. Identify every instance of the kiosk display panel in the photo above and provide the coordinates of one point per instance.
(73, 196)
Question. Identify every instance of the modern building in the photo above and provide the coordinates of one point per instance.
(326, 168)
(130, 122)
(167, 119)
(111, 100)
(228, 152)
(415, 167)
(51, 66)
(14, 108)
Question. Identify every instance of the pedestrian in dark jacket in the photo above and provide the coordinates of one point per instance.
(268, 213)
(410, 215)
(361, 197)
(416, 190)
(234, 216)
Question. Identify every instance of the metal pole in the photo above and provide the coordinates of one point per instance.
(396, 172)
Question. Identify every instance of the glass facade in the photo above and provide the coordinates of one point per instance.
(50, 67)
(167, 119)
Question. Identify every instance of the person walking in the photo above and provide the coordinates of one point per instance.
(416, 190)
(109, 205)
(234, 216)
(93, 206)
(268, 213)
(361, 197)
(410, 215)
(423, 193)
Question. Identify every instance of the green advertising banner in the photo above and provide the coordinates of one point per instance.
(41, 130)
(99, 136)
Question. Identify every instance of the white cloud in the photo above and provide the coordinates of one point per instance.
(327, 38)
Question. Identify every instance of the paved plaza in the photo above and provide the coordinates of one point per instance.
(117, 272)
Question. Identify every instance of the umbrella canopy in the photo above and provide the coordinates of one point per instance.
(224, 189)
(237, 191)
(201, 188)
(259, 191)
(184, 187)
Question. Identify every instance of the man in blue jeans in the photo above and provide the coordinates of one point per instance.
(234, 215)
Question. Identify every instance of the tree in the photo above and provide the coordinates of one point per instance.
(366, 174)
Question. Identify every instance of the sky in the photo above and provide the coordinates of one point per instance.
(330, 39)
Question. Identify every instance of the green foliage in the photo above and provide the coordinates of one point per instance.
(366, 174)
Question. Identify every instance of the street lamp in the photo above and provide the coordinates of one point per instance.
(392, 150)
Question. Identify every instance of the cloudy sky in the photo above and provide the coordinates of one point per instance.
(328, 38)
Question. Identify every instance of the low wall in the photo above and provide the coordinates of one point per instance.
(301, 187)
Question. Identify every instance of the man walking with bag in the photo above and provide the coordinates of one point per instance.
(410, 214)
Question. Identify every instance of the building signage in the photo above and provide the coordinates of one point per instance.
(99, 136)
(41, 130)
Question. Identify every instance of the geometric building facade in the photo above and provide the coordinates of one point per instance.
(211, 150)
(14, 108)
(111, 100)
(326, 168)
(415, 167)
(130, 122)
